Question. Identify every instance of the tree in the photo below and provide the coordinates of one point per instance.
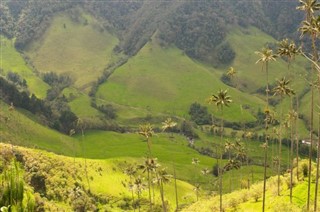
(309, 26)
(196, 189)
(292, 117)
(220, 100)
(168, 124)
(289, 50)
(228, 147)
(150, 165)
(138, 187)
(162, 177)
(282, 89)
(266, 56)
(131, 171)
(147, 132)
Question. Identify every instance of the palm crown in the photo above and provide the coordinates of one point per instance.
(283, 88)
(221, 99)
(266, 55)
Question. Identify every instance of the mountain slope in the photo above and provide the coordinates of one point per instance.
(77, 47)
(11, 60)
(167, 81)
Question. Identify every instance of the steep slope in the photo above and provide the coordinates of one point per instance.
(251, 200)
(75, 45)
(59, 182)
(11, 60)
(164, 80)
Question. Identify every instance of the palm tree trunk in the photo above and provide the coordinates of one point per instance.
(315, 57)
(297, 137)
(149, 187)
(291, 157)
(280, 145)
(175, 187)
(220, 165)
(162, 197)
(138, 201)
(310, 147)
(266, 146)
(85, 159)
(149, 147)
(318, 156)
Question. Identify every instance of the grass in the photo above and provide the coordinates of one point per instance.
(18, 129)
(80, 103)
(11, 60)
(106, 179)
(164, 80)
(80, 49)
(101, 144)
(243, 200)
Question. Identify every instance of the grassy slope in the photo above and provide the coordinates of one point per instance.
(245, 42)
(81, 50)
(244, 199)
(167, 81)
(11, 60)
(80, 103)
(106, 177)
(17, 128)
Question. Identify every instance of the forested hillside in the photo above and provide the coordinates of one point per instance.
(198, 28)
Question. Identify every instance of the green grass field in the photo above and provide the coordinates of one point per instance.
(245, 200)
(107, 179)
(164, 80)
(80, 49)
(11, 60)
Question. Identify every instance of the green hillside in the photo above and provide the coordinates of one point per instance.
(164, 80)
(11, 60)
(251, 200)
(106, 182)
(77, 47)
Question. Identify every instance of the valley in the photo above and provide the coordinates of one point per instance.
(156, 106)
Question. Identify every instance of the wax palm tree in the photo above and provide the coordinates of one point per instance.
(231, 73)
(292, 116)
(309, 7)
(220, 100)
(147, 132)
(266, 56)
(205, 171)
(150, 165)
(228, 147)
(162, 177)
(310, 26)
(168, 124)
(232, 164)
(196, 189)
(289, 50)
(81, 125)
(131, 172)
(138, 187)
(282, 89)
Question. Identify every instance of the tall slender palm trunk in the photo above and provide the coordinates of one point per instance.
(291, 157)
(175, 187)
(318, 156)
(266, 145)
(220, 163)
(297, 137)
(310, 147)
(280, 145)
(149, 188)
